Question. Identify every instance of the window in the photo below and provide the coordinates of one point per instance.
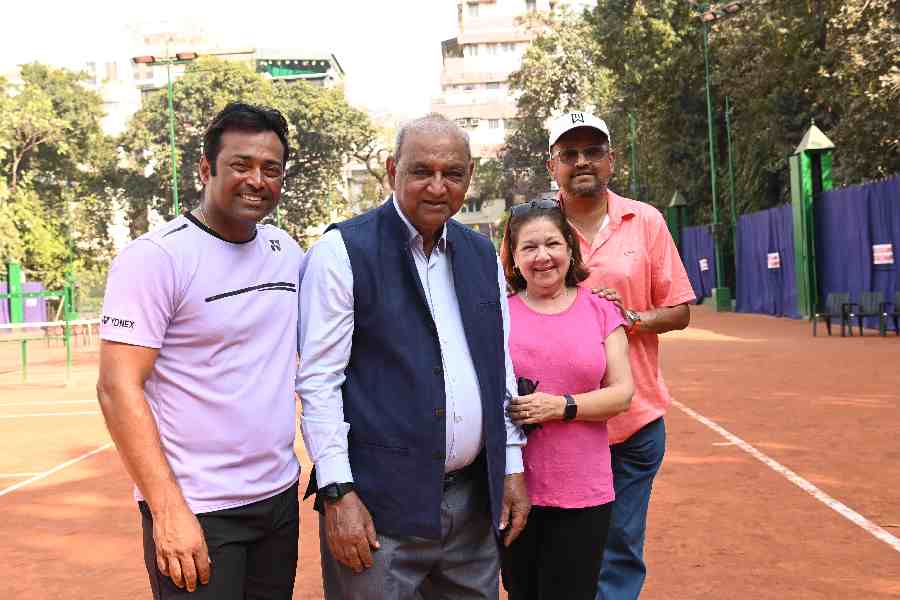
(91, 69)
(468, 88)
(493, 85)
(470, 50)
(462, 122)
(494, 123)
(473, 9)
(142, 72)
(112, 71)
(509, 47)
(530, 5)
(473, 122)
(474, 205)
(492, 49)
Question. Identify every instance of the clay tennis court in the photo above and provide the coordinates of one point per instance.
(782, 477)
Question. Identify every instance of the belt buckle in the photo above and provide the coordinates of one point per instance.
(454, 477)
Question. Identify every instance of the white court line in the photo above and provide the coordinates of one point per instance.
(835, 505)
(59, 467)
(53, 414)
(48, 402)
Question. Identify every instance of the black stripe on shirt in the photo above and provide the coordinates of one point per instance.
(176, 230)
(285, 286)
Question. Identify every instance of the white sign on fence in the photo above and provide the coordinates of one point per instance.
(883, 254)
(31, 302)
(773, 260)
(704, 265)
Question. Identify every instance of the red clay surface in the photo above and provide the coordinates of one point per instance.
(722, 524)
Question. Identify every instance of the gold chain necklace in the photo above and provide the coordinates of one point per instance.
(203, 216)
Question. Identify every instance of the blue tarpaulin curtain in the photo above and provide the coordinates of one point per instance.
(697, 245)
(849, 222)
(761, 289)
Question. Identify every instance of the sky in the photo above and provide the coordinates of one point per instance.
(390, 49)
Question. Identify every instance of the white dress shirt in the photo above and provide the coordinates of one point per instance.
(325, 339)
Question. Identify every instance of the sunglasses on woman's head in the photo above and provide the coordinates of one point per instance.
(517, 210)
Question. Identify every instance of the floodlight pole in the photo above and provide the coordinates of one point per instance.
(708, 13)
(168, 61)
(731, 191)
(712, 159)
(634, 170)
(176, 207)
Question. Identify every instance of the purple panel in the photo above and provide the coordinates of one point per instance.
(4, 305)
(696, 245)
(759, 288)
(35, 308)
(849, 222)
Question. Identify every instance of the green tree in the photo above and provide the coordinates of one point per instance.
(862, 77)
(324, 131)
(55, 162)
(552, 79)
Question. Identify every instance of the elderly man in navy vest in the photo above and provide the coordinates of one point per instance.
(404, 378)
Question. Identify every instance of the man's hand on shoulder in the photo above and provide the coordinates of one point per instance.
(350, 532)
(181, 552)
(609, 294)
(516, 507)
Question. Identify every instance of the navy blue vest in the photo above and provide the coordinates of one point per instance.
(394, 397)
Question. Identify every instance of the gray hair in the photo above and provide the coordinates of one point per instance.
(434, 124)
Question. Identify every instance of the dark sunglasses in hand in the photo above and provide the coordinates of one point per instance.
(591, 154)
(527, 386)
(517, 210)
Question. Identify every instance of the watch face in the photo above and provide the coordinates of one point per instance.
(571, 409)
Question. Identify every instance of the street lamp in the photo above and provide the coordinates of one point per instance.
(168, 61)
(179, 59)
(709, 14)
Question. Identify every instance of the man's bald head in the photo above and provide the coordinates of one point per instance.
(431, 125)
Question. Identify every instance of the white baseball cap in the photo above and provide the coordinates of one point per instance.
(573, 120)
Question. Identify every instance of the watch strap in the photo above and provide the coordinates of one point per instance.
(571, 410)
(335, 491)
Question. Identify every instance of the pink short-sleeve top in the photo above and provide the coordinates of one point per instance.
(567, 464)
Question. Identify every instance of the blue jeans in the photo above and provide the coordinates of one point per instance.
(635, 463)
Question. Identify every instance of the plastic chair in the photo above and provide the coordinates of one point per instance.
(871, 304)
(836, 305)
(894, 315)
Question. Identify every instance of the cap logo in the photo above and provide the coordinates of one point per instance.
(577, 118)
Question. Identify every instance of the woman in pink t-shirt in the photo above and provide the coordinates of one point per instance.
(555, 326)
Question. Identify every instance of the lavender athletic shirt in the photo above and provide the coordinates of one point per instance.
(224, 317)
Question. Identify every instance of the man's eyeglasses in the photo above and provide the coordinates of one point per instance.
(592, 154)
(517, 210)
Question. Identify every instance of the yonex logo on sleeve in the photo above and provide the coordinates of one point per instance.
(116, 322)
(276, 245)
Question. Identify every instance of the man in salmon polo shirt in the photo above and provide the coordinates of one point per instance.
(629, 251)
(196, 374)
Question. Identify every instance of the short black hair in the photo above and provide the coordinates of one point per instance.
(238, 116)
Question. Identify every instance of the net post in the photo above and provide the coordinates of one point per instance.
(24, 345)
(67, 336)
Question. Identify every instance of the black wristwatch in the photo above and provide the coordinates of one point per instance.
(571, 410)
(335, 491)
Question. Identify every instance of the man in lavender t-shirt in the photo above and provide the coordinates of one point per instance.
(197, 371)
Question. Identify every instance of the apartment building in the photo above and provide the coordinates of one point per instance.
(474, 85)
